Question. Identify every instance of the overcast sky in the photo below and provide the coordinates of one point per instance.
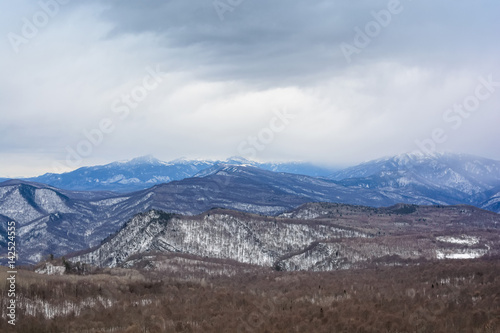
(329, 82)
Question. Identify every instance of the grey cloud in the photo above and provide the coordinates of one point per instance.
(392, 93)
(278, 41)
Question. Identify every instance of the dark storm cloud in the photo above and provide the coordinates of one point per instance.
(273, 41)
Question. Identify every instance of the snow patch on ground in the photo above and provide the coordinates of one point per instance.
(50, 269)
(464, 239)
(468, 254)
(130, 181)
(159, 179)
(109, 202)
(49, 201)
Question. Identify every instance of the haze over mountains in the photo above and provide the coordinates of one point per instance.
(465, 173)
(413, 178)
(58, 221)
(449, 178)
(147, 171)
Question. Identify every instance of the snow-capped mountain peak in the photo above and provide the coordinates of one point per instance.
(146, 159)
(146, 171)
(238, 160)
(460, 176)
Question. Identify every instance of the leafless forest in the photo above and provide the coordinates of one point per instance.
(193, 294)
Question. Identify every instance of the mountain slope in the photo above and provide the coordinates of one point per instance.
(450, 178)
(49, 220)
(133, 175)
(218, 234)
(339, 236)
(255, 190)
(493, 201)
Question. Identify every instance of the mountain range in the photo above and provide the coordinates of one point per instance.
(449, 178)
(50, 220)
(58, 221)
(460, 176)
(314, 237)
(146, 171)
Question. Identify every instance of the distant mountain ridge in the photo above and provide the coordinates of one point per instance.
(53, 220)
(464, 177)
(470, 173)
(146, 171)
(453, 178)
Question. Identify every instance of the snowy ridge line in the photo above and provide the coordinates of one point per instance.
(339, 237)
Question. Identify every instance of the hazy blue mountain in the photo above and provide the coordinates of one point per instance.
(452, 178)
(493, 201)
(298, 168)
(128, 176)
(50, 220)
(147, 171)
